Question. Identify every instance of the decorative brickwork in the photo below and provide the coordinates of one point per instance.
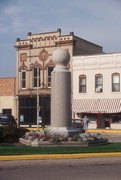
(49, 64)
(23, 67)
(23, 57)
(43, 56)
(36, 64)
(7, 86)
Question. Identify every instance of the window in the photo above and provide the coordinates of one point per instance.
(116, 118)
(23, 79)
(82, 84)
(36, 77)
(7, 111)
(115, 82)
(98, 83)
(50, 69)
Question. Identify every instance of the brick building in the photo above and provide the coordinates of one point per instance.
(33, 57)
(7, 95)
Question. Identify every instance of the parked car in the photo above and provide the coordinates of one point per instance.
(7, 120)
(78, 123)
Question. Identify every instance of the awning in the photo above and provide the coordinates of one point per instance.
(96, 105)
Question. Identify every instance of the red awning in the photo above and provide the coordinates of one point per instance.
(96, 105)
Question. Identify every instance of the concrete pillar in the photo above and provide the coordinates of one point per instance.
(61, 90)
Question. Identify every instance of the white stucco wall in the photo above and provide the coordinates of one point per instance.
(104, 64)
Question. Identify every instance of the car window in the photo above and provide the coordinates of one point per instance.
(3, 118)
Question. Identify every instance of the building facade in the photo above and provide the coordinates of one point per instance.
(97, 89)
(8, 96)
(34, 67)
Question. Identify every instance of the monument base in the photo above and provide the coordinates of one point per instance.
(64, 131)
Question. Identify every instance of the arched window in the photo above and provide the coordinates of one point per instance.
(82, 84)
(23, 79)
(98, 83)
(115, 82)
(36, 77)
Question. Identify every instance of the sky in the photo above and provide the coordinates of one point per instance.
(98, 21)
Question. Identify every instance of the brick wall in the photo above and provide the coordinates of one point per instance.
(84, 47)
(7, 86)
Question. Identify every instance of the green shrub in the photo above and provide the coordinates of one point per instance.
(11, 134)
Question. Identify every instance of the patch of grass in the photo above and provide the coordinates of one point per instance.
(12, 149)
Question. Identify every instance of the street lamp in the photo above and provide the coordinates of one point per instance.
(38, 106)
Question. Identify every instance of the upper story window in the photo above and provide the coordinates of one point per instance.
(115, 82)
(49, 70)
(98, 83)
(36, 77)
(23, 79)
(82, 84)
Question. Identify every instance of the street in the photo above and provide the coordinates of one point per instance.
(63, 169)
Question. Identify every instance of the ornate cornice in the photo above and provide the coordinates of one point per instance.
(23, 46)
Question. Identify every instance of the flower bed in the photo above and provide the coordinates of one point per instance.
(39, 138)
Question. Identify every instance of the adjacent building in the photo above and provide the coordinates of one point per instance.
(97, 89)
(8, 96)
(34, 67)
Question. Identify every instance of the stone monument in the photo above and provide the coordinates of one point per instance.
(61, 114)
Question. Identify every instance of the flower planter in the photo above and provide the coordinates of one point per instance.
(38, 138)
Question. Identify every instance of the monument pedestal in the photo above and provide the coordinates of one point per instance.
(64, 131)
(61, 113)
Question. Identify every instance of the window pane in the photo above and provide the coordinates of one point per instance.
(35, 77)
(50, 69)
(98, 83)
(23, 83)
(116, 87)
(99, 80)
(83, 89)
(115, 78)
(115, 82)
(23, 75)
(23, 79)
(35, 72)
(35, 82)
(82, 81)
(82, 84)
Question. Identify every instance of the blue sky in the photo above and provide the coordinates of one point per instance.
(98, 21)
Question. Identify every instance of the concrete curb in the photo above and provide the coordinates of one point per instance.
(57, 156)
(104, 131)
(90, 130)
(63, 156)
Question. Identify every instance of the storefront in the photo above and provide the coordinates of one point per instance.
(28, 110)
(102, 113)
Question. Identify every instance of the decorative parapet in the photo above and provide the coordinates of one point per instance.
(97, 61)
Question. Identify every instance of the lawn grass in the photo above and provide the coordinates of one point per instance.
(12, 149)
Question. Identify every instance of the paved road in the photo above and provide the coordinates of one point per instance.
(64, 169)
